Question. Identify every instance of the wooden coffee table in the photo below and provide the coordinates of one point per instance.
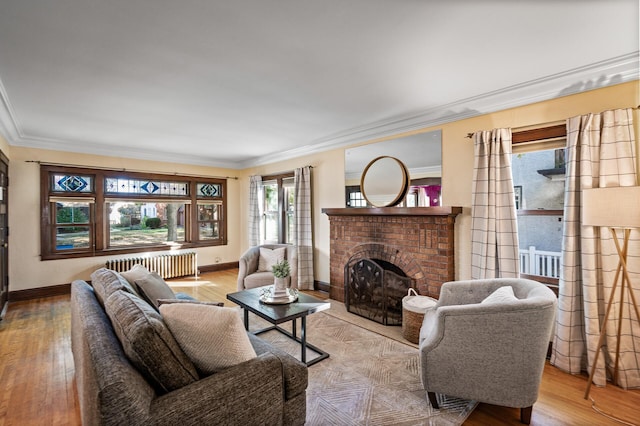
(249, 300)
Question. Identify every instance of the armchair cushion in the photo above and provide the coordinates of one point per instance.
(213, 337)
(269, 257)
(501, 295)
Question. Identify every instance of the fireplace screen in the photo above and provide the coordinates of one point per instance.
(374, 289)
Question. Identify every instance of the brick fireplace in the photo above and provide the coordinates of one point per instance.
(418, 240)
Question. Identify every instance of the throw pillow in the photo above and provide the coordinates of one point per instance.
(152, 287)
(269, 257)
(148, 343)
(213, 337)
(501, 295)
(137, 271)
(106, 281)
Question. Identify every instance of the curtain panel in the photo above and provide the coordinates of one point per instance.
(303, 227)
(254, 211)
(494, 229)
(600, 153)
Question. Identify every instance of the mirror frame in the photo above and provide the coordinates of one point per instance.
(404, 184)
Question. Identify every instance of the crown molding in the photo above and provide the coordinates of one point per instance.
(601, 74)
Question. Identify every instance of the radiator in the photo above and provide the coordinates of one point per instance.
(166, 265)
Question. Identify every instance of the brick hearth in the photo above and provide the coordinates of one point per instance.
(419, 240)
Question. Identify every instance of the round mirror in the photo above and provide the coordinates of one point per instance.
(385, 181)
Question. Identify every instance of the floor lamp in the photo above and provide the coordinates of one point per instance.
(618, 209)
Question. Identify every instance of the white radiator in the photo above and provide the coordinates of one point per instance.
(166, 265)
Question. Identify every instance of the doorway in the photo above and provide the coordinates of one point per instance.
(4, 234)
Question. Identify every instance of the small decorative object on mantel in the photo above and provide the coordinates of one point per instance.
(281, 293)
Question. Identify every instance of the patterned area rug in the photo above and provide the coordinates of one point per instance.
(369, 379)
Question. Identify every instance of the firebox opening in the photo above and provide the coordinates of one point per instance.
(388, 266)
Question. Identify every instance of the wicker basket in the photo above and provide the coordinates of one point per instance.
(413, 308)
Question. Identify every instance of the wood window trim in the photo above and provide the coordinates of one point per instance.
(282, 202)
(539, 134)
(99, 224)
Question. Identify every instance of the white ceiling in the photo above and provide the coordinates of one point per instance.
(247, 82)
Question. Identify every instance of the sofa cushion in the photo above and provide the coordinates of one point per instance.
(136, 271)
(148, 343)
(106, 281)
(501, 295)
(152, 287)
(269, 257)
(213, 337)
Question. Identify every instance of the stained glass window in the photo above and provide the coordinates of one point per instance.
(89, 212)
(72, 183)
(209, 190)
(143, 186)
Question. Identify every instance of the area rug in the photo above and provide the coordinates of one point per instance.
(369, 379)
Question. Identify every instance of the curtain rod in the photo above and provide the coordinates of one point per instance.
(284, 172)
(470, 135)
(44, 163)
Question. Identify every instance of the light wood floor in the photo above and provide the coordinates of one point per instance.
(37, 385)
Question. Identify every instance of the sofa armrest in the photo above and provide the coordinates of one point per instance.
(248, 393)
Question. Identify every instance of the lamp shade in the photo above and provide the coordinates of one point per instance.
(616, 207)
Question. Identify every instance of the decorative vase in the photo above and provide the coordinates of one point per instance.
(280, 287)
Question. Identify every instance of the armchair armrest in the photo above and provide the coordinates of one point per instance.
(247, 264)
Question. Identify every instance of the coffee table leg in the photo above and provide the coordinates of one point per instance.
(303, 339)
(293, 328)
(246, 319)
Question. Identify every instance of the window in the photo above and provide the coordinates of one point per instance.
(87, 212)
(277, 208)
(538, 178)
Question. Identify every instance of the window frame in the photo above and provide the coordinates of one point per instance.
(541, 138)
(282, 207)
(99, 216)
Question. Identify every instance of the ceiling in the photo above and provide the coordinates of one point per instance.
(247, 82)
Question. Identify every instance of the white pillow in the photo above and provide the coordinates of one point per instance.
(137, 271)
(269, 257)
(213, 337)
(501, 295)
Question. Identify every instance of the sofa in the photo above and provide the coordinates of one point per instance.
(487, 340)
(254, 266)
(114, 389)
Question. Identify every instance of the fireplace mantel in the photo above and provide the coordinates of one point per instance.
(419, 240)
(393, 211)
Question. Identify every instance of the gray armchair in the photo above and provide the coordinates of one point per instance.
(492, 353)
(250, 277)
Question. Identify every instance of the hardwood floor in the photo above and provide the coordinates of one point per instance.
(37, 385)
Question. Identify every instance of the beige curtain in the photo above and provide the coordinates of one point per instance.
(494, 230)
(303, 227)
(600, 153)
(254, 211)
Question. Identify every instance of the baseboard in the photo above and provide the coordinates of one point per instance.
(321, 286)
(36, 293)
(218, 267)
